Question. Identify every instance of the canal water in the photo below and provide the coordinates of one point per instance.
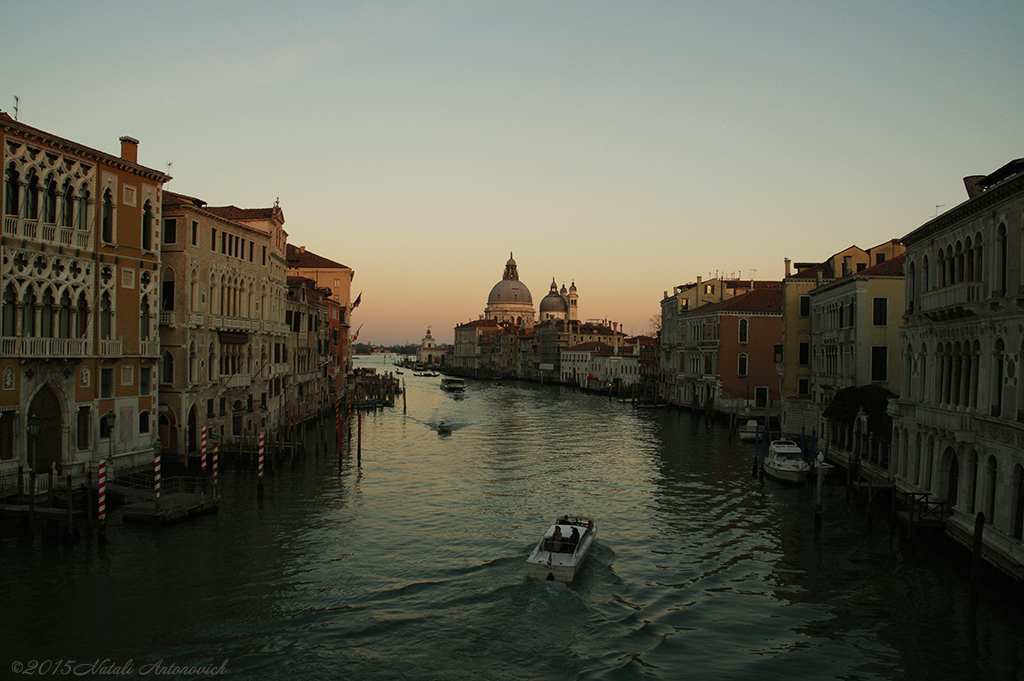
(410, 564)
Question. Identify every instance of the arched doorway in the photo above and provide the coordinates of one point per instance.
(167, 430)
(49, 444)
(192, 445)
(953, 491)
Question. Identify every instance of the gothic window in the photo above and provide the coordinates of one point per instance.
(147, 227)
(83, 208)
(11, 190)
(32, 196)
(67, 213)
(108, 217)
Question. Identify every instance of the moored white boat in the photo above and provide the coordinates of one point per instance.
(751, 430)
(785, 461)
(557, 556)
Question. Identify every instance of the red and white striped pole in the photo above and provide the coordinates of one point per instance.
(202, 449)
(259, 485)
(101, 495)
(215, 469)
(101, 501)
(156, 475)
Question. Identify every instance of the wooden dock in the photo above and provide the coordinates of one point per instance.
(180, 498)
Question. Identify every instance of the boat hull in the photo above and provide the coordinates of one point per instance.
(786, 475)
(553, 565)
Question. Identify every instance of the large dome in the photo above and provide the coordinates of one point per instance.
(510, 291)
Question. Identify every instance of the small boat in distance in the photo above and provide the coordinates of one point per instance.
(453, 384)
(444, 429)
(563, 549)
(751, 430)
(785, 462)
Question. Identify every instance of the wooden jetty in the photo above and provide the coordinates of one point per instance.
(180, 498)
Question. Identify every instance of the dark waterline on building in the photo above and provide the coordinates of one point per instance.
(412, 565)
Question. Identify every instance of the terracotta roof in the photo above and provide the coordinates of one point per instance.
(812, 272)
(893, 267)
(303, 259)
(758, 300)
(481, 322)
(236, 213)
(172, 199)
(595, 347)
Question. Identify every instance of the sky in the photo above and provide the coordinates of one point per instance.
(628, 147)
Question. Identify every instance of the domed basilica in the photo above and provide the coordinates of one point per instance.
(510, 301)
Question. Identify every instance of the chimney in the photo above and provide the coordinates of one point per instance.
(302, 250)
(130, 149)
(788, 262)
(973, 188)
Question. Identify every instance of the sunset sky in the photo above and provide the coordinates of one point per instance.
(626, 146)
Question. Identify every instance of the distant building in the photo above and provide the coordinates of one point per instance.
(432, 354)
(337, 278)
(728, 360)
(674, 310)
(799, 410)
(222, 324)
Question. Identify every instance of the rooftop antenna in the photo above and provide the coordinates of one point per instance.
(170, 164)
(16, 100)
(937, 207)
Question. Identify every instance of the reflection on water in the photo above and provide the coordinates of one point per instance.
(413, 565)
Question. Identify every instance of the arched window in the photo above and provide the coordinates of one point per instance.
(147, 227)
(167, 367)
(105, 316)
(143, 422)
(64, 315)
(144, 319)
(28, 314)
(991, 477)
(743, 331)
(8, 311)
(83, 208)
(67, 213)
(32, 196)
(12, 187)
(50, 202)
(108, 217)
(741, 364)
(998, 371)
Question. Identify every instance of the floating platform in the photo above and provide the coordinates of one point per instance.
(172, 508)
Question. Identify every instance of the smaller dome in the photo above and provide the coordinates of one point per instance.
(552, 302)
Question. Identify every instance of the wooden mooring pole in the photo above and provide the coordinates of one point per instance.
(979, 528)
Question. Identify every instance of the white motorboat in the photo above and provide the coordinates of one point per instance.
(453, 384)
(785, 461)
(752, 430)
(563, 549)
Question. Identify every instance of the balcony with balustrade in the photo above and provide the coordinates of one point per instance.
(24, 228)
(951, 302)
(44, 348)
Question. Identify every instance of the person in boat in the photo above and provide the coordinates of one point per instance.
(564, 520)
(574, 540)
(555, 542)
